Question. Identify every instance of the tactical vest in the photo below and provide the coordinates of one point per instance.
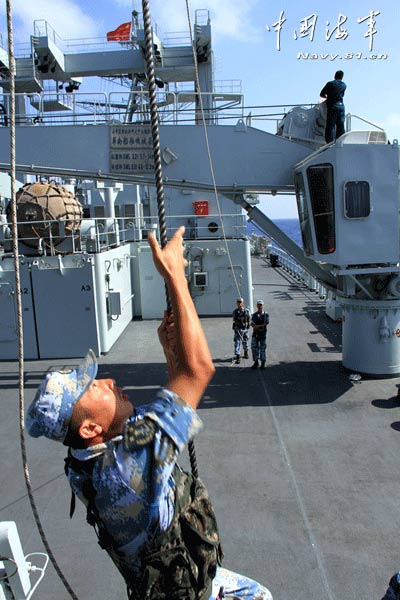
(241, 318)
(178, 564)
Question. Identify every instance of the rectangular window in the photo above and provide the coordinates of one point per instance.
(357, 199)
(320, 184)
(303, 214)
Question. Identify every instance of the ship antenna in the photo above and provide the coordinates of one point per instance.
(42, 534)
(157, 164)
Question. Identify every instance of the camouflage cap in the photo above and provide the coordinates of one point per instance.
(50, 411)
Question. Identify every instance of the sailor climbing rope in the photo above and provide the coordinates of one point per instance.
(154, 520)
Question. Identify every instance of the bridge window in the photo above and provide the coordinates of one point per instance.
(303, 214)
(320, 184)
(357, 199)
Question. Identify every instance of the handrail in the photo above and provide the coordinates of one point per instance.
(176, 107)
(49, 237)
(349, 116)
(87, 107)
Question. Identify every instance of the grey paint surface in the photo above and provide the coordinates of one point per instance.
(242, 156)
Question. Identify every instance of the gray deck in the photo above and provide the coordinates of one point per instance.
(301, 463)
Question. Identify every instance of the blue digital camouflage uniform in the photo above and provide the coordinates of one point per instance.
(135, 490)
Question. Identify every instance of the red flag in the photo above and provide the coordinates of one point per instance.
(122, 33)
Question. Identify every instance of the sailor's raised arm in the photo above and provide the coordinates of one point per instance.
(194, 368)
(167, 336)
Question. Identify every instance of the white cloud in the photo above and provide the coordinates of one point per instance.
(72, 19)
(229, 19)
(66, 17)
(234, 19)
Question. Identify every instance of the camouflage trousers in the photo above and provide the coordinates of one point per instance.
(238, 587)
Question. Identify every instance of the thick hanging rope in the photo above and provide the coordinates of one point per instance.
(154, 120)
(157, 164)
(19, 304)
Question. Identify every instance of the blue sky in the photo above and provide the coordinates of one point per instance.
(244, 49)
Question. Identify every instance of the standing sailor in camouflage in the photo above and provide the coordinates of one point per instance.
(155, 521)
(240, 326)
(259, 323)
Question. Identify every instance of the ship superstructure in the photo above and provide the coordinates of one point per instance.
(100, 143)
(299, 459)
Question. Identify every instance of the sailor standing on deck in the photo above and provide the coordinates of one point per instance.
(155, 521)
(334, 91)
(259, 323)
(241, 324)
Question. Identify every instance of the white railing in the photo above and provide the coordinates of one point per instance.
(202, 16)
(23, 50)
(292, 267)
(230, 86)
(41, 28)
(350, 117)
(52, 237)
(177, 107)
(63, 108)
(272, 113)
(176, 38)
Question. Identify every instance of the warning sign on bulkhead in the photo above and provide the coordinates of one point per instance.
(131, 149)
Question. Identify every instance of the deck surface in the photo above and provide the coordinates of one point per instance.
(301, 463)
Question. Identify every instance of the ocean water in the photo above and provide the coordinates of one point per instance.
(289, 226)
